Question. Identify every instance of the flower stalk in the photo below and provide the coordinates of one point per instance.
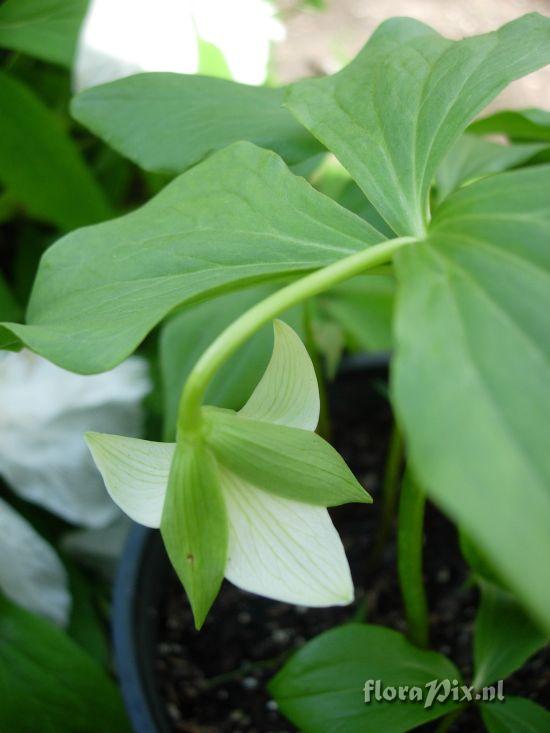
(189, 415)
(410, 536)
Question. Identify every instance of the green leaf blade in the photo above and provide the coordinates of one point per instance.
(321, 689)
(465, 327)
(525, 124)
(167, 122)
(392, 150)
(504, 636)
(516, 715)
(238, 218)
(40, 164)
(472, 157)
(47, 29)
(70, 691)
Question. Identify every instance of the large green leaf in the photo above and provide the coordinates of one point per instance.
(189, 333)
(194, 526)
(394, 112)
(238, 218)
(525, 124)
(504, 636)
(40, 164)
(321, 689)
(167, 122)
(515, 715)
(472, 369)
(47, 29)
(48, 684)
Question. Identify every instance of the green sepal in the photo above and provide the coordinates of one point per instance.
(194, 526)
(289, 462)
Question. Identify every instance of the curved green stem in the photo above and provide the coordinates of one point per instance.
(390, 492)
(410, 535)
(189, 416)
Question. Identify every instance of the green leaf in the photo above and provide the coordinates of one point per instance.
(515, 715)
(472, 368)
(290, 462)
(478, 561)
(168, 122)
(351, 197)
(504, 636)
(188, 334)
(40, 164)
(473, 158)
(321, 689)
(194, 526)
(332, 179)
(238, 218)
(364, 308)
(395, 111)
(526, 124)
(48, 683)
(85, 624)
(47, 29)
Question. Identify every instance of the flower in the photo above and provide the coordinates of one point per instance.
(31, 573)
(45, 412)
(281, 542)
(123, 37)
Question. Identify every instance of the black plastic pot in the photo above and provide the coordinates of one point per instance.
(141, 580)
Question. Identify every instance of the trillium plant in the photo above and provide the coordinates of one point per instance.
(369, 206)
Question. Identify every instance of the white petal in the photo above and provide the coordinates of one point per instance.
(243, 31)
(283, 549)
(287, 393)
(123, 37)
(31, 573)
(135, 473)
(45, 412)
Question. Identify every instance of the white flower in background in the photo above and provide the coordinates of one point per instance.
(243, 31)
(45, 413)
(278, 547)
(123, 37)
(31, 574)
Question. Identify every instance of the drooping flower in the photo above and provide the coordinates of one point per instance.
(247, 499)
(123, 37)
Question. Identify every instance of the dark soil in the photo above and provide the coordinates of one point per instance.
(215, 681)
